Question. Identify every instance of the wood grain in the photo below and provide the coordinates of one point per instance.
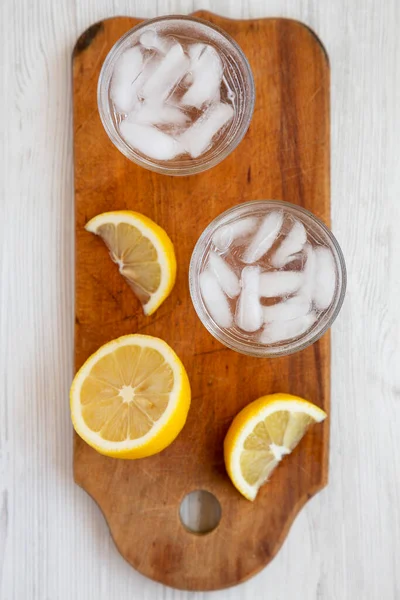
(284, 155)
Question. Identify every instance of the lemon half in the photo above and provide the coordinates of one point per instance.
(131, 398)
(262, 434)
(143, 252)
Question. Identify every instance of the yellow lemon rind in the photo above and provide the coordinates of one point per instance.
(244, 423)
(167, 427)
(161, 242)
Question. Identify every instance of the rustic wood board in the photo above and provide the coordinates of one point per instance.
(285, 155)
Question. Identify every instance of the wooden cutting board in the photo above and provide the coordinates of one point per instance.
(285, 155)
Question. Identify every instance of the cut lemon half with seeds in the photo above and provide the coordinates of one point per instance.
(131, 398)
(262, 434)
(142, 250)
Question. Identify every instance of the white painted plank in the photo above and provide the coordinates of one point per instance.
(54, 542)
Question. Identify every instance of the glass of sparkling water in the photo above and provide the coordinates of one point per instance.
(267, 278)
(176, 95)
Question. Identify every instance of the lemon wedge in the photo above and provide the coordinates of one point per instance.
(143, 252)
(262, 434)
(131, 398)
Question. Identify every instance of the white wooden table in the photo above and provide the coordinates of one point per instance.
(54, 543)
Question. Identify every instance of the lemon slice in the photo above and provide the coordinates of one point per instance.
(262, 434)
(142, 250)
(131, 398)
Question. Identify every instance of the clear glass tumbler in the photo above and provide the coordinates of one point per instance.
(237, 77)
(219, 239)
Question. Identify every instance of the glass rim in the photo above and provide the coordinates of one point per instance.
(151, 164)
(283, 348)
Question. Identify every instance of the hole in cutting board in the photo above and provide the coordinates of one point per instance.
(200, 512)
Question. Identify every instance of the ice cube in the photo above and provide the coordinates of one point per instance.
(274, 284)
(223, 238)
(279, 331)
(158, 114)
(123, 90)
(227, 234)
(199, 136)
(206, 68)
(195, 50)
(150, 141)
(249, 316)
(264, 237)
(215, 300)
(186, 81)
(290, 245)
(308, 284)
(225, 275)
(150, 40)
(170, 70)
(292, 308)
(325, 277)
